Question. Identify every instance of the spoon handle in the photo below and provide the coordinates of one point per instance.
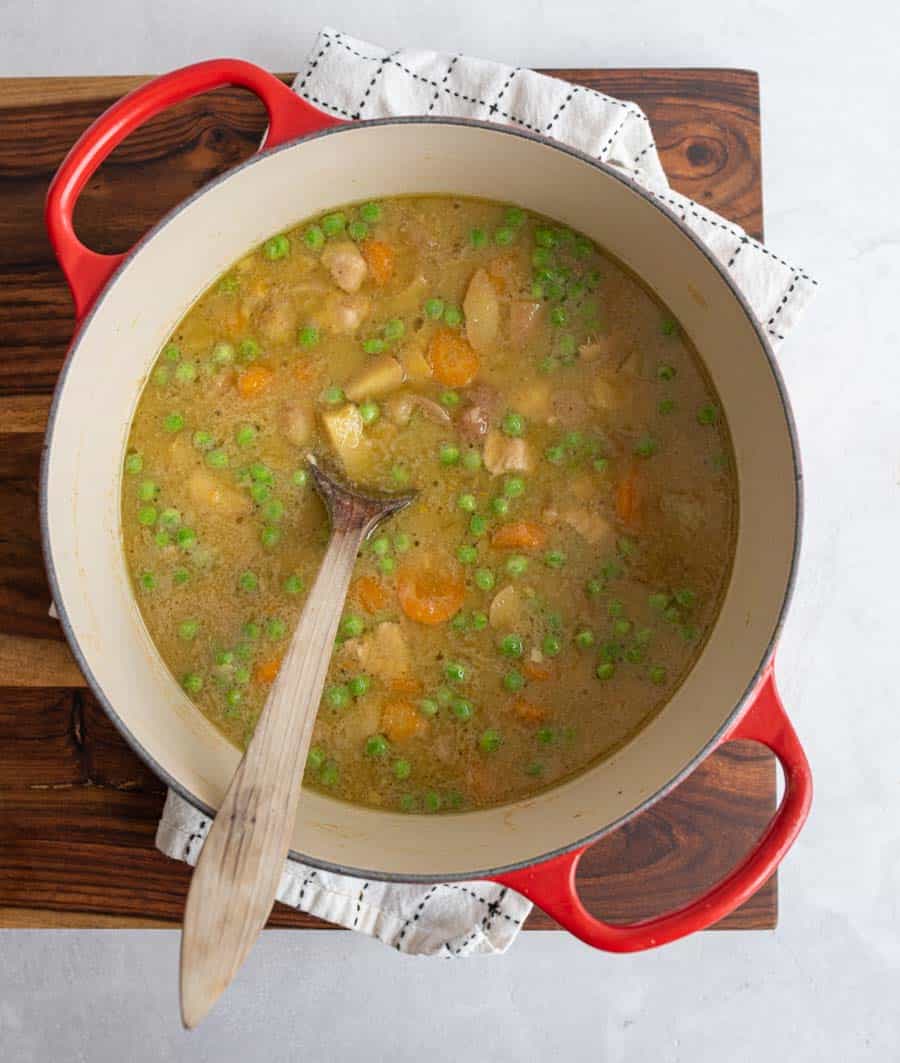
(234, 884)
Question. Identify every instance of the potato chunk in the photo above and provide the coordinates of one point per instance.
(383, 652)
(210, 493)
(299, 423)
(345, 263)
(482, 310)
(344, 431)
(506, 455)
(344, 313)
(376, 378)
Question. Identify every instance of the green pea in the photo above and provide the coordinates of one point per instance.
(634, 654)
(277, 247)
(147, 516)
(490, 741)
(500, 506)
(352, 626)
(615, 607)
(449, 454)
(147, 491)
(434, 309)
(545, 238)
(261, 473)
(222, 354)
(657, 674)
(513, 681)
(513, 425)
(554, 621)
(394, 329)
(248, 349)
(315, 758)
(517, 565)
(244, 651)
(708, 415)
(551, 645)
(400, 475)
(173, 422)
(444, 695)
(370, 212)
(186, 538)
(467, 555)
(299, 478)
(186, 373)
(432, 801)
(203, 440)
(484, 579)
(245, 434)
(535, 768)
(658, 602)
(664, 371)
(584, 639)
(687, 599)
(511, 646)
(192, 682)
(593, 587)
(274, 511)
(462, 709)
(455, 671)
(622, 627)
(407, 803)
(605, 670)
(643, 636)
(453, 316)
(402, 542)
(369, 411)
(248, 581)
(170, 518)
(428, 707)
(401, 769)
(338, 696)
(357, 230)
(467, 502)
(260, 492)
(541, 258)
(514, 487)
(555, 454)
(546, 736)
(558, 316)
(381, 545)
(180, 576)
(672, 614)
(601, 464)
(333, 224)
(449, 399)
(646, 447)
(471, 460)
(329, 774)
(554, 559)
(333, 395)
(161, 376)
(171, 352)
(478, 238)
(377, 746)
(308, 336)
(293, 584)
(548, 364)
(479, 621)
(217, 459)
(359, 685)
(188, 629)
(668, 327)
(314, 238)
(477, 524)
(251, 630)
(504, 236)
(666, 407)
(147, 581)
(276, 628)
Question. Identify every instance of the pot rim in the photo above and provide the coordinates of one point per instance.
(82, 326)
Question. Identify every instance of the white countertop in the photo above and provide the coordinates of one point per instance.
(825, 985)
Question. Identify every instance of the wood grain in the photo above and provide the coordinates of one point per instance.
(78, 810)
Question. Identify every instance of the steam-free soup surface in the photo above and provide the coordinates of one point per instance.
(574, 526)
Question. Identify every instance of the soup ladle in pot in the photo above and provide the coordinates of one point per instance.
(234, 884)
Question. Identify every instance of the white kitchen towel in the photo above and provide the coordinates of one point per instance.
(356, 80)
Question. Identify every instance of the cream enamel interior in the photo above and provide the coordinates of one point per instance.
(114, 352)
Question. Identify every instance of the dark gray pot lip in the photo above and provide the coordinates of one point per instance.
(671, 216)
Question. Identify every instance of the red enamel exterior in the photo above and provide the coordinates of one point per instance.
(550, 884)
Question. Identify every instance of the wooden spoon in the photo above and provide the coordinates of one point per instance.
(236, 878)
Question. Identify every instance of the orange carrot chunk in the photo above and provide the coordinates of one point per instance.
(266, 671)
(627, 498)
(537, 673)
(431, 590)
(527, 711)
(371, 594)
(453, 362)
(379, 258)
(253, 381)
(520, 535)
(400, 721)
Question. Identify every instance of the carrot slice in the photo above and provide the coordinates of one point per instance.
(371, 594)
(379, 258)
(406, 684)
(627, 498)
(400, 721)
(537, 673)
(431, 590)
(520, 535)
(528, 711)
(453, 361)
(266, 671)
(253, 381)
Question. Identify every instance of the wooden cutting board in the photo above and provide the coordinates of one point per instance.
(78, 810)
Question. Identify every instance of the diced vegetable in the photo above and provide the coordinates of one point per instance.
(453, 361)
(520, 535)
(379, 258)
(253, 381)
(482, 312)
(375, 378)
(430, 589)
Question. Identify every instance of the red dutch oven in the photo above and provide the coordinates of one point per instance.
(126, 306)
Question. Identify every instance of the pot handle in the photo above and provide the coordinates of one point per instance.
(551, 885)
(87, 271)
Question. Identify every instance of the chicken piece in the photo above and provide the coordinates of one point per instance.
(383, 652)
(505, 611)
(477, 418)
(345, 263)
(482, 310)
(277, 319)
(344, 313)
(502, 454)
(413, 357)
(587, 521)
(533, 400)
(400, 409)
(210, 493)
(344, 430)
(376, 378)
(299, 423)
(523, 316)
